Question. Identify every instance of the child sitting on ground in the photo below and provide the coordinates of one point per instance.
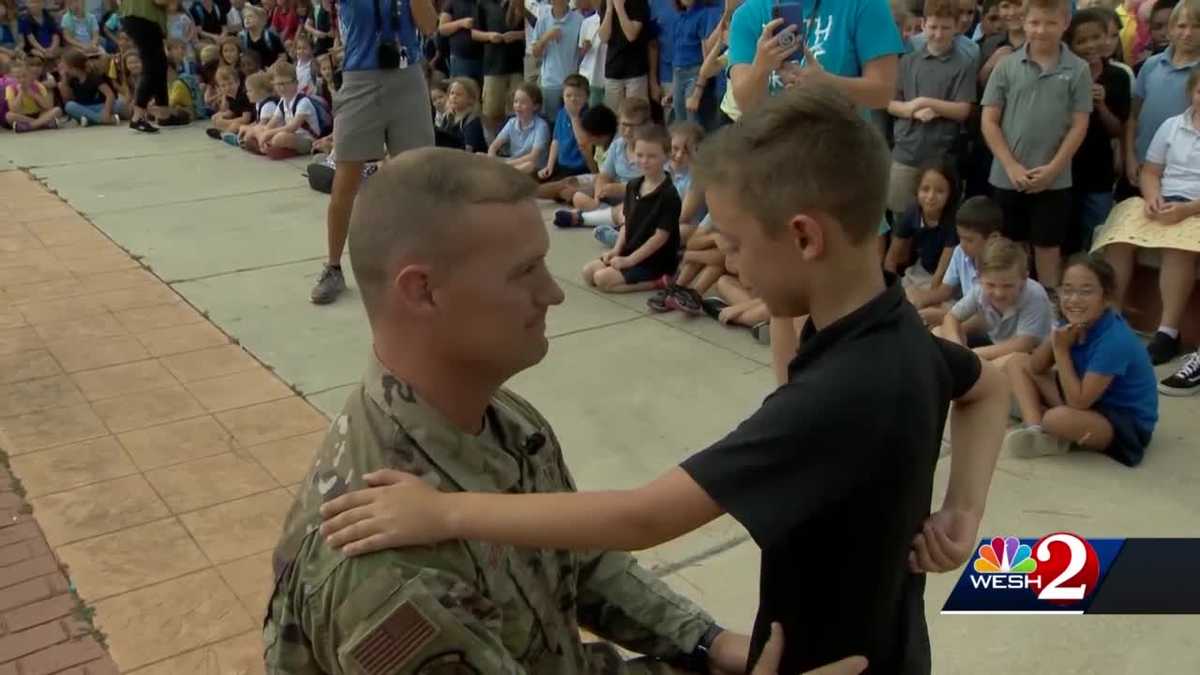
(295, 124)
(566, 156)
(81, 30)
(526, 136)
(736, 305)
(597, 128)
(1090, 386)
(177, 55)
(88, 97)
(236, 109)
(249, 63)
(180, 107)
(928, 227)
(978, 220)
(619, 167)
(265, 103)
(306, 68)
(1007, 312)
(9, 34)
(461, 121)
(30, 104)
(644, 256)
(438, 95)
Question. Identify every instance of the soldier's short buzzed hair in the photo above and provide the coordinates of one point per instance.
(807, 149)
(412, 205)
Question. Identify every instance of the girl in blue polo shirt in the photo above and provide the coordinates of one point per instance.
(1091, 385)
(526, 136)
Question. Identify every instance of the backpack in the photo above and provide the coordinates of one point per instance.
(258, 107)
(199, 110)
(324, 121)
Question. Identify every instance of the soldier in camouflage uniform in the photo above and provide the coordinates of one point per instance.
(458, 607)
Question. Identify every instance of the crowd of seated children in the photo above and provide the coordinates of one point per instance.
(619, 167)
(978, 221)
(924, 238)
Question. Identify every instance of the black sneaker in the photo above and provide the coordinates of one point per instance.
(686, 300)
(657, 303)
(143, 126)
(213, 133)
(1162, 348)
(712, 306)
(1185, 381)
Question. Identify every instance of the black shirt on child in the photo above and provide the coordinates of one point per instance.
(1092, 168)
(928, 242)
(505, 58)
(461, 44)
(833, 477)
(239, 105)
(625, 59)
(645, 215)
(86, 91)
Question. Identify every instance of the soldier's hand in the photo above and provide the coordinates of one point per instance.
(772, 654)
(399, 509)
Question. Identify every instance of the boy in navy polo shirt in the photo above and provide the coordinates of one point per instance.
(40, 32)
(848, 473)
(566, 158)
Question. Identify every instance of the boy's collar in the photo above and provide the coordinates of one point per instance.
(814, 342)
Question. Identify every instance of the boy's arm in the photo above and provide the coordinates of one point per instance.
(994, 137)
(1013, 345)
(901, 109)
(958, 111)
(1129, 144)
(552, 156)
(42, 97)
(1078, 394)
(898, 253)
(630, 27)
(1044, 175)
(942, 266)
(655, 242)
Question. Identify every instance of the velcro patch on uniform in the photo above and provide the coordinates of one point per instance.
(395, 641)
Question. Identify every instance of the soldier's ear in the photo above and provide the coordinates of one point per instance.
(411, 290)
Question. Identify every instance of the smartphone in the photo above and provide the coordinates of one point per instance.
(792, 14)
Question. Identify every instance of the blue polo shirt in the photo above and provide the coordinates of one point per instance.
(1160, 86)
(523, 140)
(361, 35)
(844, 36)
(691, 28)
(663, 14)
(1112, 348)
(561, 57)
(569, 155)
(961, 272)
(617, 164)
(44, 32)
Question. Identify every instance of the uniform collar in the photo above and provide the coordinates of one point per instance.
(489, 462)
(1168, 59)
(1061, 65)
(814, 343)
(925, 53)
(1101, 325)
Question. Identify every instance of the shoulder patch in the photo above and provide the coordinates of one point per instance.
(394, 642)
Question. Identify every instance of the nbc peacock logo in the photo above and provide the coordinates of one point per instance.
(1005, 555)
(1005, 564)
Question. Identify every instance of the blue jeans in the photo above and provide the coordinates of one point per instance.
(78, 111)
(1094, 208)
(681, 87)
(551, 102)
(472, 68)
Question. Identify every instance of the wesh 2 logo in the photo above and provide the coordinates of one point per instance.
(1060, 568)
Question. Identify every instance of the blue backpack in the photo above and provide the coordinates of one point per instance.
(324, 119)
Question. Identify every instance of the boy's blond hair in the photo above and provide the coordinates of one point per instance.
(945, 9)
(259, 82)
(210, 53)
(792, 156)
(1049, 5)
(1192, 7)
(1003, 255)
(284, 70)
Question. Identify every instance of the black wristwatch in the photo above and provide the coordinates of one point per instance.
(696, 661)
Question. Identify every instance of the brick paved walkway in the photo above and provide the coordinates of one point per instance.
(157, 458)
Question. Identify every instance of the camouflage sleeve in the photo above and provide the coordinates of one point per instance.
(621, 601)
(399, 619)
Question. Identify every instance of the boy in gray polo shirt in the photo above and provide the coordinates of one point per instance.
(935, 91)
(1035, 116)
(1006, 306)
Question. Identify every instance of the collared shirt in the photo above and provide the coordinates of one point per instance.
(561, 57)
(664, 15)
(361, 33)
(1030, 315)
(1161, 88)
(1176, 147)
(569, 154)
(1092, 168)
(592, 65)
(949, 77)
(1111, 348)
(488, 608)
(1036, 108)
(961, 273)
(617, 163)
(851, 468)
(692, 27)
(523, 140)
(963, 44)
(625, 59)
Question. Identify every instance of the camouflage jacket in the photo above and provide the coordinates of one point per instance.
(462, 606)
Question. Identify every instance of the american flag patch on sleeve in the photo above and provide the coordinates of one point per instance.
(394, 642)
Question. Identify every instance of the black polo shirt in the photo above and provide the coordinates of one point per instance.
(833, 477)
(240, 104)
(1092, 168)
(461, 44)
(645, 215)
(506, 58)
(625, 59)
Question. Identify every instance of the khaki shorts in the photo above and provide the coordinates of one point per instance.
(616, 91)
(902, 187)
(497, 94)
(380, 113)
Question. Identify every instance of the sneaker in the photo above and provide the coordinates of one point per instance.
(712, 306)
(1163, 348)
(762, 332)
(567, 218)
(213, 133)
(329, 286)
(657, 303)
(1186, 380)
(230, 138)
(1030, 441)
(83, 122)
(606, 235)
(143, 126)
(65, 123)
(686, 300)
(20, 127)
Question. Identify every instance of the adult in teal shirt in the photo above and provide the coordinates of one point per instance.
(145, 22)
(853, 45)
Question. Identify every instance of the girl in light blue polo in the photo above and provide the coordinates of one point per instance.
(526, 135)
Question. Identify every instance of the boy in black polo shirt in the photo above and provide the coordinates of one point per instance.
(833, 474)
(645, 255)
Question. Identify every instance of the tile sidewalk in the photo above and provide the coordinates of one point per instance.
(156, 456)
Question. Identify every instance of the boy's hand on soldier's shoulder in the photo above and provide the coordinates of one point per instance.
(945, 541)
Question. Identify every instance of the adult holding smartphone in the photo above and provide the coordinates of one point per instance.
(381, 109)
(853, 45)
(145, 21)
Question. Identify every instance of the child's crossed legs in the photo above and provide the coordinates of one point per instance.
(1042, 404)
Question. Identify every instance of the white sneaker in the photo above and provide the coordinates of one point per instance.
(83, 121)
(66, 123)
(1030, 441)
